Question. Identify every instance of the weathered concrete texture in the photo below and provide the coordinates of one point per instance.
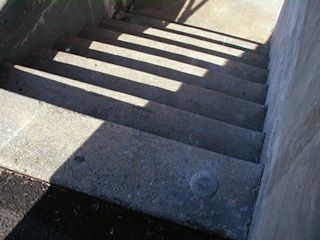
(289, 199)
(215, 81)
(139, 69)
(202, 34)
(26, 25)
(218, 49)
(217, 63)
(252, 20)
(31, 210)
(128, 167)
(132, 111)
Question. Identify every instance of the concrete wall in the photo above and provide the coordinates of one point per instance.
(25, 25)
(288, 206)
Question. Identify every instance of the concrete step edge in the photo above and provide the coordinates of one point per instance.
(221, 38)
(146, 116)
(225, 65)
(217, 49)
(219, 82)
(200, 101)
(148, 173)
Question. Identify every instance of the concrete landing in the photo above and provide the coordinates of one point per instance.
(251, 20)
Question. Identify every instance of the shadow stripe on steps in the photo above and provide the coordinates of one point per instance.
(128, 167)
(192, 31)
(135, 112)
(227, 66)
(215, 81)
(126, 75)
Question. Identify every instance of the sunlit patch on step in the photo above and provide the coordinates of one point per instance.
(194, 42)
(88, 87)
(148, 58)
(210, 35)
(172, 49)
(118, 71)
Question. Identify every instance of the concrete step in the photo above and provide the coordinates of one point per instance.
(124, 166)
(217, 63)
(134, 112)
(129, 71)
(217, 49)
(215, 81)
(198, 33)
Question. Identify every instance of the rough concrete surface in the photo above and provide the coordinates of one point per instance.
(142, 69)
(126, 166)
(30, 210)
(203, 34)
(215, 81)
(252, 20)
(219, 64)
(140, 148)
(131, 111)
(29, 25)
(289, 199)
(206, 46)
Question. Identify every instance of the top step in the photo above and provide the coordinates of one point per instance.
(203, 34)
(223, 59)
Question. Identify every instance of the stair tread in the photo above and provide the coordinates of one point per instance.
(203, 34)
(217, 49)
(144, 81)
(212, 80)
(125, 166)
(217, 63)
(138, 113)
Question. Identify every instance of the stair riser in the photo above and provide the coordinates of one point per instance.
(224, 65)
(213, 48)
(212, 80)
(202, 34)
(127, 167)
(139, 114)
(150, 86)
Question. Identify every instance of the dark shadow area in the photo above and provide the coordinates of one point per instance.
(58, 213)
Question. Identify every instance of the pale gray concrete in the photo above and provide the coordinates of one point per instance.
(218, 63)
(212, 80)
(206, 46)
(29, 25)
(126, 166)
(252, 20)
(127, 125)
(288, 207)
(145, 70)
(131, 111)
(215, 37)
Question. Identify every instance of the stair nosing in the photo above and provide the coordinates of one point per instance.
(259, 107)
(261, 81)
(190, 85)
(258, 135)
(91, 30)
(132, 15)
(114, 21)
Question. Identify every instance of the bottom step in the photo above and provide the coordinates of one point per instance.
(151, 174)
(30, 209)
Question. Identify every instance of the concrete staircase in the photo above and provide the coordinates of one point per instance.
(156, 116)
